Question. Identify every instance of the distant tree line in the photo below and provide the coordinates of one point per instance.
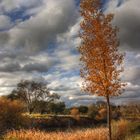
(37, 98)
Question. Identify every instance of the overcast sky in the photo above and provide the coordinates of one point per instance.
(39, 40)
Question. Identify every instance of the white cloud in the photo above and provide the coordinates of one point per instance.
(132, 87)
(132, 74)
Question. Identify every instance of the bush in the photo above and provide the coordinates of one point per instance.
(11, 114)
(102, 115)
(75, 113)
(83, 109)
(121, 129)
(92, 111)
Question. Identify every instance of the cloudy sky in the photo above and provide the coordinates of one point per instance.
(39, 40)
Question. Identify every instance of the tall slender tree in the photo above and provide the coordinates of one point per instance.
(100, 57)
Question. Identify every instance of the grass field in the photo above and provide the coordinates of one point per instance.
(121, 131)
(88, 134)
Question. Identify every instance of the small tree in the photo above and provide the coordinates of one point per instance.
(31, 92)
(101, 60)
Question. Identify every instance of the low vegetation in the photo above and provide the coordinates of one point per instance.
(11, 115)
(122, 130)
(88, 134)
(54, 121)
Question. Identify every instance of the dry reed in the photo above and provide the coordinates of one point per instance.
(120, 131)
(89, 134)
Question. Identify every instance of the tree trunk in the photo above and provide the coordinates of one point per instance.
(109, 118)
(31, 110)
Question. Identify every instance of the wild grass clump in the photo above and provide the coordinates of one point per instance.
(120, 129)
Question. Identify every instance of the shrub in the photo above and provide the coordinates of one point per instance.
(83, 109)
(11, 114)
(120, 129)
(75, 113)
(92, 111)
(102, 115)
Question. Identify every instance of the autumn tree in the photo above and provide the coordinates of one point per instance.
(31, 93)
(101, 60)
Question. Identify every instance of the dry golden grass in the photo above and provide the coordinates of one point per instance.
(89, 134)
(120, 131)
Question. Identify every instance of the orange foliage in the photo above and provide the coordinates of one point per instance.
(75, 113)
(101, 60)
(102, 114)
(11, 114)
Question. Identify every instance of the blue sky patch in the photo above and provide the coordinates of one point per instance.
(18, 14)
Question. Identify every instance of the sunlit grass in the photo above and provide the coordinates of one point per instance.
(37, 115)
(89, 134)
(121, 131)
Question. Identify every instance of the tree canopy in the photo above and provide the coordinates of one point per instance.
(30, 92)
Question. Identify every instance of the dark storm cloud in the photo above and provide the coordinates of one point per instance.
(35, 67)
(11, 67)
(127, 18)
(129, 24)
